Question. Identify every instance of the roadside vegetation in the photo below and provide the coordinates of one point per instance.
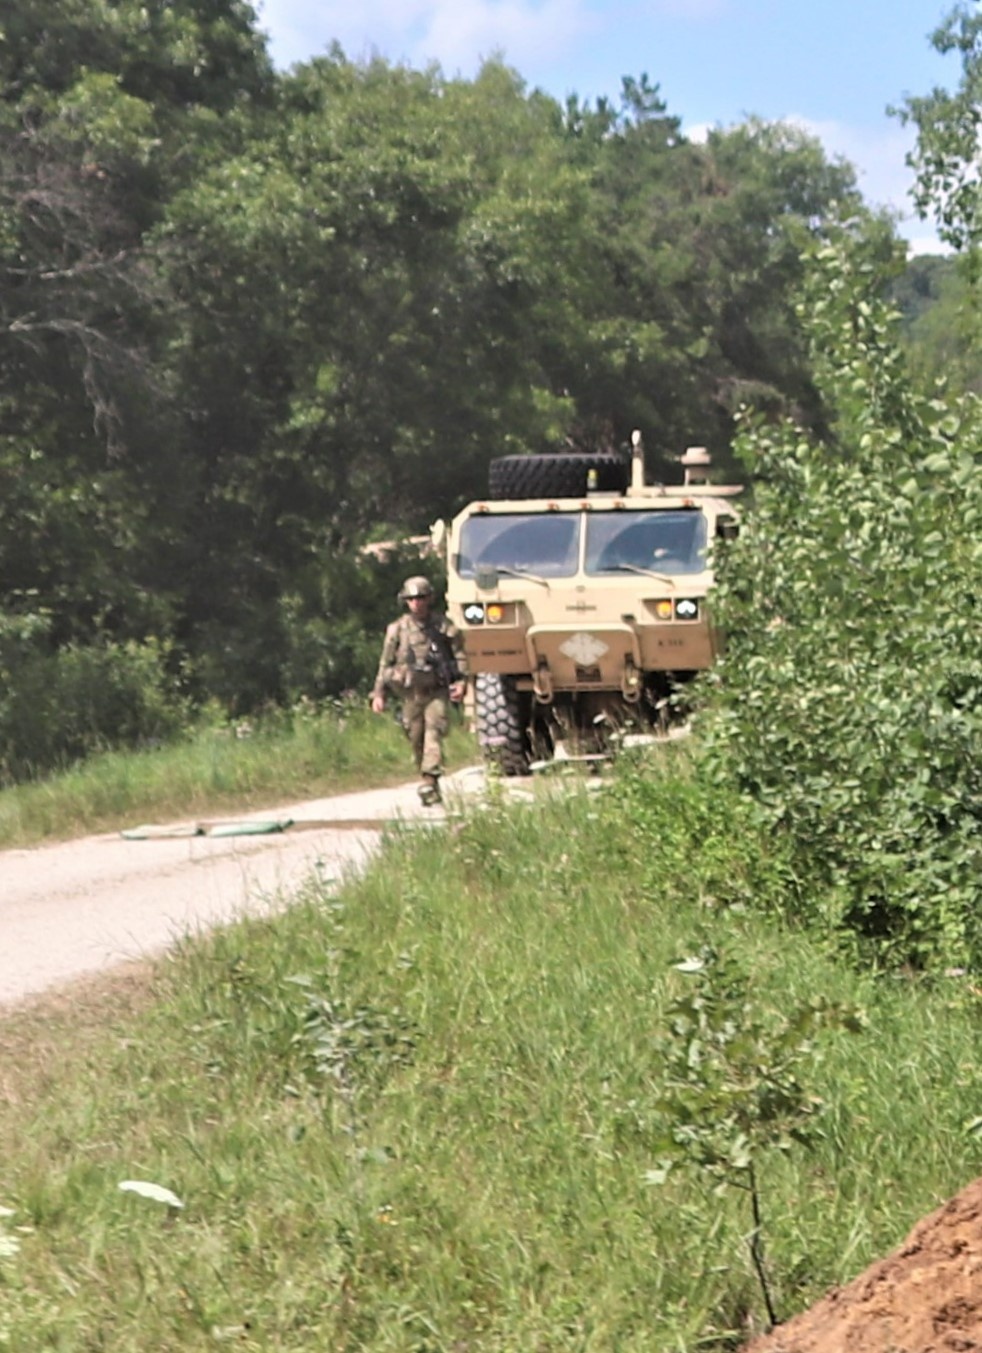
(434, 1111)
(650, 1063)
(219, 768)
(849, 703)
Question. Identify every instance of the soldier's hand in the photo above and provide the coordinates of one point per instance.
(378, 704)
(457, 690)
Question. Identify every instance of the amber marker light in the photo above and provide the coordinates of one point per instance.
(494, 614)
(663, 610)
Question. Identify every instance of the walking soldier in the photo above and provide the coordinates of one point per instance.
(422, 664)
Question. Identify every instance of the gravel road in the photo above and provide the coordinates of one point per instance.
(79, 907)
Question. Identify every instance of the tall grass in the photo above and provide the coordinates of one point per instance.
(418, 1114)
(308, 753)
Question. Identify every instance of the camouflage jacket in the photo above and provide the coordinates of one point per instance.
(420, 655)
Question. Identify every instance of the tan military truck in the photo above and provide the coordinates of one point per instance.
(580, 591)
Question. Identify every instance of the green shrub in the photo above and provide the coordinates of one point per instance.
(317, 641)
(58, 706)
(849, 703)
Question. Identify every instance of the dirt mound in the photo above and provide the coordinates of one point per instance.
(926, 1297)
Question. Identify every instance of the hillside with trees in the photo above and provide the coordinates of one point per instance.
(250, 320)
(655, 1067)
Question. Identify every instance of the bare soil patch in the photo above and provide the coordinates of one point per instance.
(43, 1033)
(925, 1297)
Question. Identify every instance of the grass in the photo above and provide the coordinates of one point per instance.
(417, 1115)
(307, 755)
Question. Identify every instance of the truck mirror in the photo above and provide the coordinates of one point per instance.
(727, 528)
(486, 577)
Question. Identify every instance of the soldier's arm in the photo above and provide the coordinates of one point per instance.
(456, 640)
(387, 662)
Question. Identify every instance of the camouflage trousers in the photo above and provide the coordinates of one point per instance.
(426, 717)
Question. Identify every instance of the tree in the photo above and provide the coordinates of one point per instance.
(701, 249)
(946, 158)
(248, 321)
(850, 694)
(371, 292)
(103, 111)
(939, 305)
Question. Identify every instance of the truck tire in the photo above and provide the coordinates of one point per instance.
(499, 724)
(556, 476)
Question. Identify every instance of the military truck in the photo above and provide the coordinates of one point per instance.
(581, 593)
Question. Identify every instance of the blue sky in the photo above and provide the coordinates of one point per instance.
(832, 66)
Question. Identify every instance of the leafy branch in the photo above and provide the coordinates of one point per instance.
(734, 1083)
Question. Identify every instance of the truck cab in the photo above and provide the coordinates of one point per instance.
(582, 613)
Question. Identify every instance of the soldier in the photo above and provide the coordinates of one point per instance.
(422, 664)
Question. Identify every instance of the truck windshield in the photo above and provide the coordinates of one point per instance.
(530, 543)
(660, 542)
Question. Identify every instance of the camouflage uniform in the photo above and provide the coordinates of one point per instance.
(407, 670)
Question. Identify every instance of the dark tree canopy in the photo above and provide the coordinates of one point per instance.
(250, 320)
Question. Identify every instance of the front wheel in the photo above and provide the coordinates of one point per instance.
(500, 729)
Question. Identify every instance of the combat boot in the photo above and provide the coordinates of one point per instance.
(429, 790)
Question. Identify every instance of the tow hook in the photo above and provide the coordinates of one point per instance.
(631, 682)
(542, 683)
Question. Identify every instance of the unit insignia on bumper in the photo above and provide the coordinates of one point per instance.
(585, 650)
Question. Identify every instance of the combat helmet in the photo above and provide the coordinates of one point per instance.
(417, 586)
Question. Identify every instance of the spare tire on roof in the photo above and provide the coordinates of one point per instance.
(557, 476)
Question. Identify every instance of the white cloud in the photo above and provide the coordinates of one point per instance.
(456, 33)
(693, 9)
(878, 154)
(523, 31)
(884, 177)
(925, 244)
